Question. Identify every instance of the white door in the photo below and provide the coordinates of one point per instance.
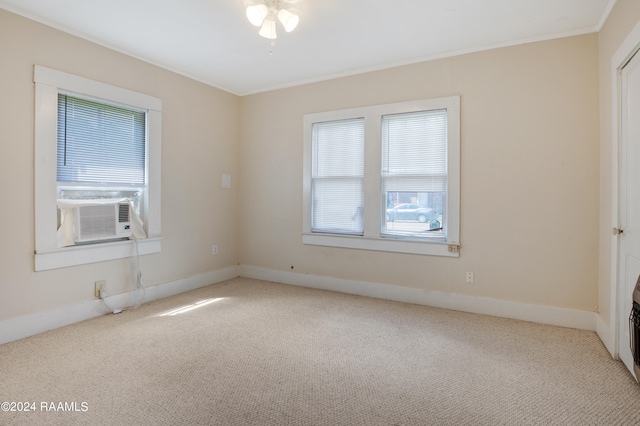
(629, 221)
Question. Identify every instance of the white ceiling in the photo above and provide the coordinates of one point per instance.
(213, 42)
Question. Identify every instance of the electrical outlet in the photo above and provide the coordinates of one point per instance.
(469, 277)
(214, 249)
(99, 285)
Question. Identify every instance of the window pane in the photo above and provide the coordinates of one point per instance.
(415, 143)
(337, 177)
(419, 213)
(99, 143)
(414, 173)
(337, 206)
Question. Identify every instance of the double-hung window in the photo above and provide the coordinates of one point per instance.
(101, 171)
(98, 166)
(385, 177)
(338, 176)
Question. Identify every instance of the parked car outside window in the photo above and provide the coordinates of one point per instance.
(408, 211)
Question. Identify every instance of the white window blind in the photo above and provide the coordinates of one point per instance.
(337, 177)
(414, 152)
(100, 143)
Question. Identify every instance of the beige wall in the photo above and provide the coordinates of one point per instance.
(624, 16)
(199, 134)
(530, 158)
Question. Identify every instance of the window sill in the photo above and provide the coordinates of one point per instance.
(431, 248)
(81, 255)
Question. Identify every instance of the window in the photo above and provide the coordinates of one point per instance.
(94, 142)
(338, 176)
(384, 178)
(414, 173)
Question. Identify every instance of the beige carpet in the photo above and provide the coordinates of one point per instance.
(258, 353)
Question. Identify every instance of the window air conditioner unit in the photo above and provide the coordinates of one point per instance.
(95, 222)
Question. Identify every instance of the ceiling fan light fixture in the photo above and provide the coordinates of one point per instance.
(263, 14)
(288, 20)
(257, 13)
(268, 29)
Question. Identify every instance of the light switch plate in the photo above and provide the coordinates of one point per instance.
(226, 180)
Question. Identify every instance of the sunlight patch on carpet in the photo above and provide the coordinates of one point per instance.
(191, 307)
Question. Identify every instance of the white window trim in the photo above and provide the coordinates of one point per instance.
(372, 238)
(48, 83)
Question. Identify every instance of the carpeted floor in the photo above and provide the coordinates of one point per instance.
(248, 352)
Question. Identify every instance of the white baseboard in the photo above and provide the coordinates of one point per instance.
(29, 325)
(572, 318)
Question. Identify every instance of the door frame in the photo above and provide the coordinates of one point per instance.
(610, 335)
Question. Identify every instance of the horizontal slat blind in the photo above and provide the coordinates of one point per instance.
(99, 143)
(414, 152)
(337, 177)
